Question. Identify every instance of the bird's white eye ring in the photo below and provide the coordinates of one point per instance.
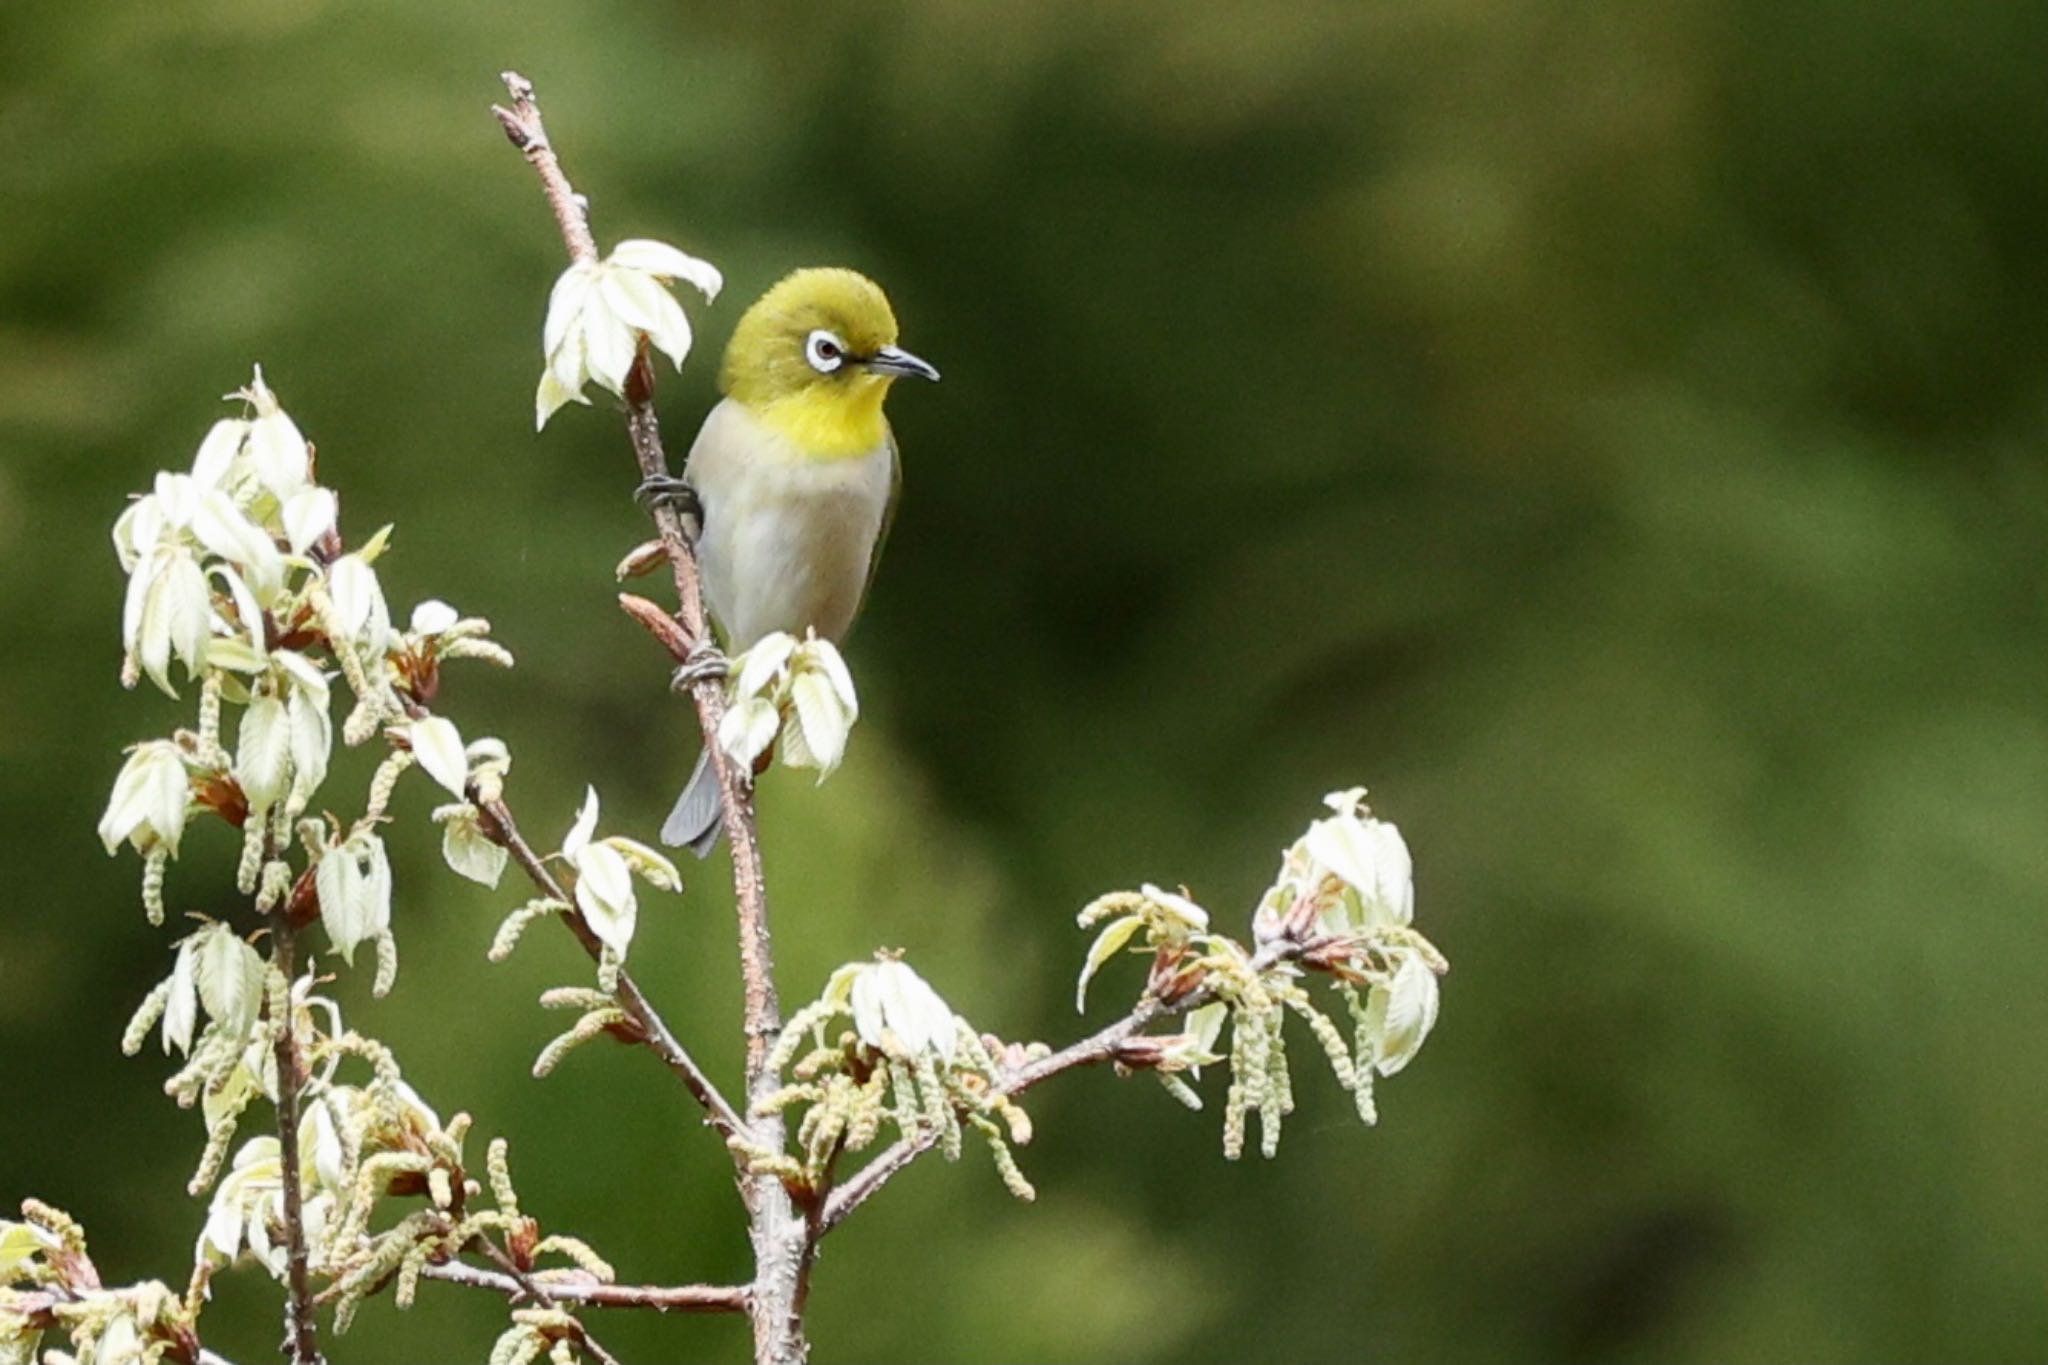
(825, 351)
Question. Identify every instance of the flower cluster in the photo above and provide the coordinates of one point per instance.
(239, 577)
(1342, 907)
(360, 1146)
(237, 571)
(49, 1283)
(1346, 894)
(908, 1063)
(797, 692)
(599, 311)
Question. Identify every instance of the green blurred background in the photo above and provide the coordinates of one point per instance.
(1613, 432)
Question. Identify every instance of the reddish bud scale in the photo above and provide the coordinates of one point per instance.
(657, 623)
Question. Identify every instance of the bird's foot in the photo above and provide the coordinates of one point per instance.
(666, 490)
(706, 662)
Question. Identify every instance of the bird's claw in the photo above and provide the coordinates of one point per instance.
(666, 490)
(706, 662)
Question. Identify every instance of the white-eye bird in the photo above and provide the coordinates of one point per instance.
(794, 476)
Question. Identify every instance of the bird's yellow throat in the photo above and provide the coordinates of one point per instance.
(830, 422)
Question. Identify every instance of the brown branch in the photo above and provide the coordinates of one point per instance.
(1101, 1046)
(523, 126)
(680, 1298)
(301, 1342)
(780, 1235)
(521, 1285)
(499, 825)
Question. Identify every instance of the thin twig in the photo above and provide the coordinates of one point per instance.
(780, 1235)
(524, 1286)
(522, 124)
(677, 1298)
(1096, 1048)
(500, 825)
(301, 1343)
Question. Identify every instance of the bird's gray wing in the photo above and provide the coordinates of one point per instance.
(888, 520)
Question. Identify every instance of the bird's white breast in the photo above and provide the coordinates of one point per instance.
(787, 538)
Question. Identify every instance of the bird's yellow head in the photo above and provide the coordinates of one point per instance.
(814, 359)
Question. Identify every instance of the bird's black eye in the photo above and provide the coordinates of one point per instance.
(824, 350)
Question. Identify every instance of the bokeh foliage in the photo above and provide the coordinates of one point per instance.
(1612, 431)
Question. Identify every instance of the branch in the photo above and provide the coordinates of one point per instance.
(719, 1112)
(782, 1239)
(524, 1286)
(302, 1346)
(1098, 1047)
(681, 1298)
(522, 124)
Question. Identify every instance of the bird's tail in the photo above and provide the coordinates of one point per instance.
(698, 817)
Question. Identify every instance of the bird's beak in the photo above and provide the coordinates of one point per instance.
(896, 360)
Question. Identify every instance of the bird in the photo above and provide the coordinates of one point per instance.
(793, 479)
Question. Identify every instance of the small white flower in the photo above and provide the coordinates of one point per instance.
(820, 658)
(598, 310)
(817, 733)
(605, 895)
(896, 1011)
(800, 692)
(310, 726)
(243, 1203)
(354, 883)
(433, 616)
(308, 515)
(168, 612)
(748, 730)
(1371, 858)
(263, 753)
(465, 847)
(137, 531)
(822, 697)
(359, 606)
(224, 531)
(243, 651)
(149, 801)
(1400, 1013)
(229, 976)
(605, 869)
(276, 451)
(181, 1007)
(322, 1133)
(761, 671)
(218, 452)
(438, 746)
